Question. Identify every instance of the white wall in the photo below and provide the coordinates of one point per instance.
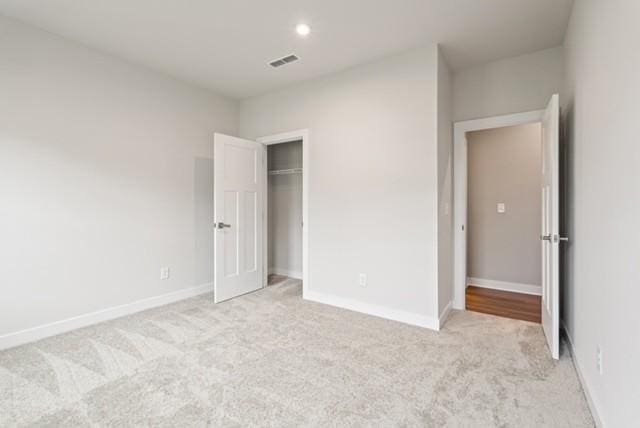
(510, 85)
(445, 188)
(603, 194)
(106, 176)
(373, 179)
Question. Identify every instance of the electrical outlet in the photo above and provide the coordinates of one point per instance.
(501, 208)
(362, 280)
(164, 273)
(599, 359)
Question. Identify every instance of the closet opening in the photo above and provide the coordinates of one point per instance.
(284, 212)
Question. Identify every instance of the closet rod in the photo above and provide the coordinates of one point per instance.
(285, 171)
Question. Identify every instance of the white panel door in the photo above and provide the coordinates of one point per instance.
(238, 192)
(550, 226)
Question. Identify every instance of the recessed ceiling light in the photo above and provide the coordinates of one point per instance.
(303, 30)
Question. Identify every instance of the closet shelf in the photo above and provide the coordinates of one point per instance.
(285, 171)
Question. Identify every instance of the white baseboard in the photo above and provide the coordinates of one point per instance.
(40, 332)
(375, 310)
(585, 388)
(515, 287)
(285, 272)
(444, 314)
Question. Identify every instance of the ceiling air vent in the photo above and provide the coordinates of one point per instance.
(284, 60)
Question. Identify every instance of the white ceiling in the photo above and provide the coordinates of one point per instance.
(225, 45)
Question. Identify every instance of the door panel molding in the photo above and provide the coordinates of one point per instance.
(238, 265)
(550, 227)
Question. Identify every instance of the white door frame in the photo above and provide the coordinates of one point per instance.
(286, 137)
(460, 130)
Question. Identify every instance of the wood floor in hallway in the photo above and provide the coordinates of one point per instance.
(504, 303)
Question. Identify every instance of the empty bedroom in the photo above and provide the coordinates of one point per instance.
(416, 213)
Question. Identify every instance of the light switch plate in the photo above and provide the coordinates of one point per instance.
(501, 208)
(362, 279)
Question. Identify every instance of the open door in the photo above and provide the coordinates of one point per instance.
(550, 225)
(238, 192)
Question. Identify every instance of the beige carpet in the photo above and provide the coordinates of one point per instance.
(272, 359)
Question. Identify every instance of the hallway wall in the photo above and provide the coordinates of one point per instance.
(505, 167)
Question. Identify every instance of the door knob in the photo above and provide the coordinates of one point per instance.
(221, 225)
(545, 237)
